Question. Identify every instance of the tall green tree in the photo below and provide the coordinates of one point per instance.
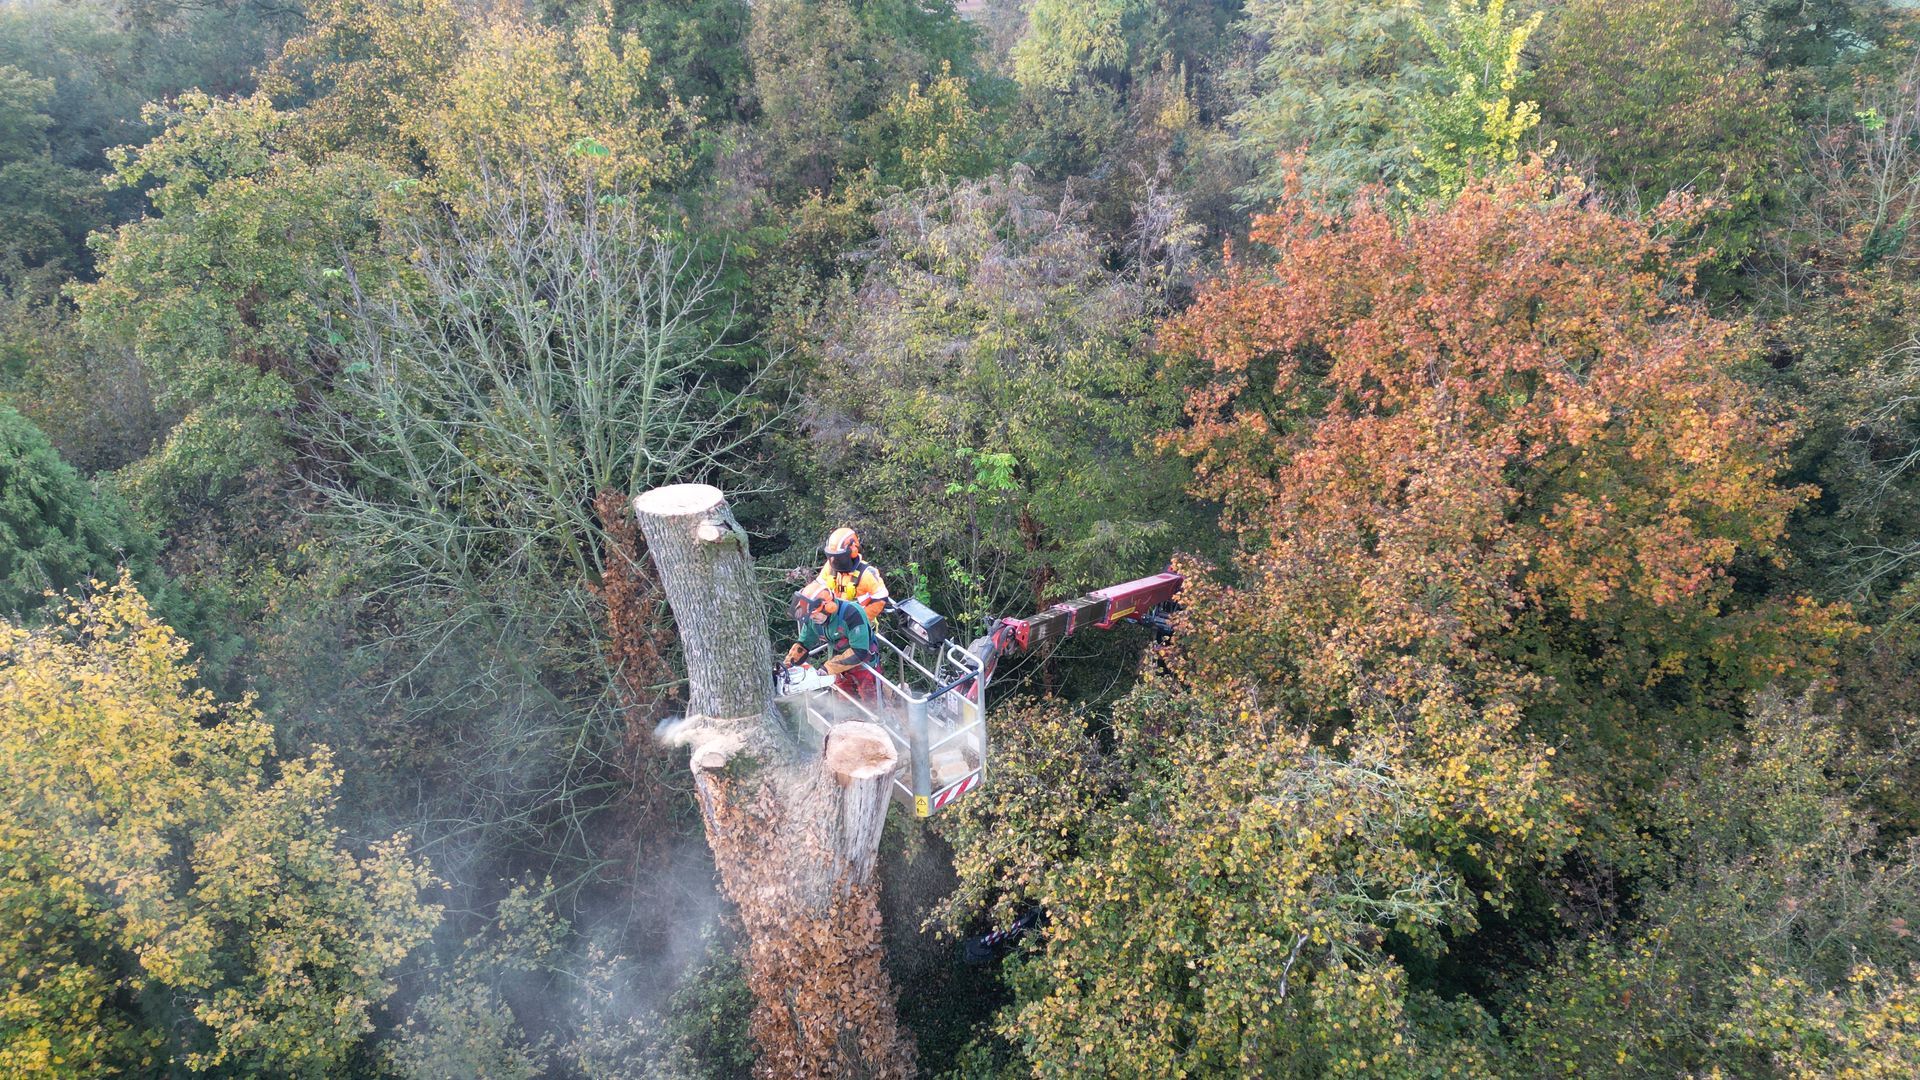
(56, 531)
(1068, 43)
(102, 63)
(221, 292)
(1340, 79)
(1688, 112)
(46, 207)
(699, 48)
(1123, 96)
(825, 70)
(1816, 34)
(1417, 97)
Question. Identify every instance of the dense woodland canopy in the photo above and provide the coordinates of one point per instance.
(1530, 393)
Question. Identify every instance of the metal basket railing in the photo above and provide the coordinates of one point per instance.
(935, 716)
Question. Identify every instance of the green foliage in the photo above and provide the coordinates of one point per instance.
(94, 404)
(45, 207)
(1761, 954)
(704, 1023)
(983, 394)
(1068, 41)
(1337, 82)
(1868, 1028)
(1816, 34)
(1844, 332)
(468, 1023)
(362, 69)
(1400, 93)
(1071, 132)
(939, 132)
(1122, 97)
(524, 101)
(1475, 127)
(222, 295)
(56, 532)
(1689, 112)
(280, 223)
(698, 48)
(165, 900)
(1455, 766)
(99, 66)
(824, 72)
(463, 1025)
(1073, 43)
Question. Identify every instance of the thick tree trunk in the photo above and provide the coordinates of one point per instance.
(794, 842)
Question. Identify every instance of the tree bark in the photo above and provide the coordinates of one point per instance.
(794, 842)
(704, 566)
(637, 645)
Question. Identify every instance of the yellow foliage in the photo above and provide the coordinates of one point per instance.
(1219, 889)
(484, 94)
(525, 97)
(1868, 1029)
(163, 897)
(939, 128)
(366, 65)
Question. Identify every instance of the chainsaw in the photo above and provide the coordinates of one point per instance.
(798, 678)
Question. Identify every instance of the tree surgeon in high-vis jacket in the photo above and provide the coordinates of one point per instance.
(849, 577)
(848, 634)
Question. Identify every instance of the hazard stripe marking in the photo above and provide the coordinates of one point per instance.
(955, 791)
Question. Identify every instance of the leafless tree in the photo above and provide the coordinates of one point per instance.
(543, 349)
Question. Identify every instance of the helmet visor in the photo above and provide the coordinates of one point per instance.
(803, 606)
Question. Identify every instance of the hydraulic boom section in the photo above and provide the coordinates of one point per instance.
(1142, 600)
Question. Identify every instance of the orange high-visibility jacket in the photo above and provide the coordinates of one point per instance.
(862, 585)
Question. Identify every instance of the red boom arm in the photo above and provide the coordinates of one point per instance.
(1099, 609)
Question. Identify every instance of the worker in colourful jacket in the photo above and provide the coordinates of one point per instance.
(848, 635)
(849, 577)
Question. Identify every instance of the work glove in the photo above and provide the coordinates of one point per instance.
(796, 654)
(843, 663)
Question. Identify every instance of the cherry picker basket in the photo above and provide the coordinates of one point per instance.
(935, 716)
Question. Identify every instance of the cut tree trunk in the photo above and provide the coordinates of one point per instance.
(794, 841)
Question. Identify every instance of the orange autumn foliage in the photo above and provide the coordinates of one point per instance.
(1492, 449)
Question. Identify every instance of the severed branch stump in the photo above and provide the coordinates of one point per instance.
(795, 843)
